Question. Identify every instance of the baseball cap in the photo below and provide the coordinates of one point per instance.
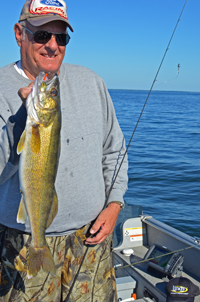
(181, 290)
(39, 12)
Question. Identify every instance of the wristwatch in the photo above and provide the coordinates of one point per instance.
(119, 203)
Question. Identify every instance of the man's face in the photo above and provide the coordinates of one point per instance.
(36, 57)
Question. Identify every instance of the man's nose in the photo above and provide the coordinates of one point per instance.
(52, 43)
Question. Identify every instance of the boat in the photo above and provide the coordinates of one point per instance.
(147, 253)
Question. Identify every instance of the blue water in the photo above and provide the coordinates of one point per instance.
(164, 156)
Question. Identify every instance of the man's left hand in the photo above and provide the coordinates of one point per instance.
(104, 223)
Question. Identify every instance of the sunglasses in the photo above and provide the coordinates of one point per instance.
(43, 36)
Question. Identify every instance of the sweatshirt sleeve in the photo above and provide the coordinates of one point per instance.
(10, 132)
(114, 149)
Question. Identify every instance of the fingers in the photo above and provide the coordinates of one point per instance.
(100, 230)
(96, 226)
(104, 225)
(97, 233)
(98, 238)
(24, 92)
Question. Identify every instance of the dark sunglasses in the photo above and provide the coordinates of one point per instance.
(43, 36)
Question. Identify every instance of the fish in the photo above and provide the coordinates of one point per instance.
(39, 149)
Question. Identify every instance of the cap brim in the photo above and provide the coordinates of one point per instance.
(38, 21)
(188, 299)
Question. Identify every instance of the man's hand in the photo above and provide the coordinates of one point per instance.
(24, 92)
(105, 223)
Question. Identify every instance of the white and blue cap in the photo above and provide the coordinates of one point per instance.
(181, 289)
(39, 12)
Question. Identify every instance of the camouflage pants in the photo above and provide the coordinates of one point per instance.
(95, 281)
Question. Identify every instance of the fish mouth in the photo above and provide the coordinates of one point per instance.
(46, 77)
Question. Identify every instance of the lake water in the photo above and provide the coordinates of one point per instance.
(164, 156)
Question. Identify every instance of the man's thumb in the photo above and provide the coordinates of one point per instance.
(96, 226)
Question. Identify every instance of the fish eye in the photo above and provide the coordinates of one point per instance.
(54, 92)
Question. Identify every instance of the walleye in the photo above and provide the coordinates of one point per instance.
(39, 147)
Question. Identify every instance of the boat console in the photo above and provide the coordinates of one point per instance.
(148, 253)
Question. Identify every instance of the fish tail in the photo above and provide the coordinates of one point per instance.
(40, 258)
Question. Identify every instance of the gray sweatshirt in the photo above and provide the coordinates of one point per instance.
(92, 146)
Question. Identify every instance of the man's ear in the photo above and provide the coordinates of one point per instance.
(18, 34)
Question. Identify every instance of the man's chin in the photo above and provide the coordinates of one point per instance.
(49, 70)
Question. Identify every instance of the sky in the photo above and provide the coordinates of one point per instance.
(124, 41)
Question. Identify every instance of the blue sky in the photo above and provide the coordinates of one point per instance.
(124, 41)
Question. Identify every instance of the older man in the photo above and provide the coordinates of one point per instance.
(92, 146)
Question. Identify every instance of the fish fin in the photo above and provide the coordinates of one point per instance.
(35, 139)
(40, 258)
(22, 213)
(20, 145)
(54, 210)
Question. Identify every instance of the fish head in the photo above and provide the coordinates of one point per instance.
(48, 91)
(45, 98)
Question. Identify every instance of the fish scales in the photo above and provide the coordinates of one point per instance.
(39, 146)
(35, 169)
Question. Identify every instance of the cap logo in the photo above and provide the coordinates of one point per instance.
(51, 2)
(43, 7)
(178, 289)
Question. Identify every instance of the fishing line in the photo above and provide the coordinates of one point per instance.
(129, 142)
(172, 78)
(166, 81)
(160, 256)
(155, 79)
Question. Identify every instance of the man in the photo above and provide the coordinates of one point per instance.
(92, 147)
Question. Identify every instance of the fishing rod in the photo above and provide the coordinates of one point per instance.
(155, 79)
(76, 276)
